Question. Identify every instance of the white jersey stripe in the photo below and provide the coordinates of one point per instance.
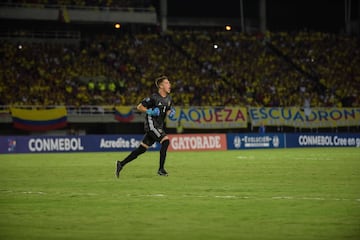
(152, 128)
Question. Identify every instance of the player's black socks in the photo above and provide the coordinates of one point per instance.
(163, 150)
(134, 154)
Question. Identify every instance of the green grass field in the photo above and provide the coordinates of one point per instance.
(260, 194)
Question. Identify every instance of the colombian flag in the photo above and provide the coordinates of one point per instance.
(39, 120)
(124, 114)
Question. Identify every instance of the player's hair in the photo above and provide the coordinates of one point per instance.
(159, 80)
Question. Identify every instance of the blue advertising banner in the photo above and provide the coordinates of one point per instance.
(255, 140)
(193, 142)
(322, 140)
(89, 143)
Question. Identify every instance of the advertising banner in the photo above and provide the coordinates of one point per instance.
(197, 142)
(107, 143)
(322, 140)
(89, 143)
(178, 142)
(255, 140)
(304, 118)
(209, 117)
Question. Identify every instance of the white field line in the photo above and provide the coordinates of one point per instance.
(314, 158)
(29, 192)
(153, 195)
(22, 192)
(161, 195)
(245, 157)
(247, 197)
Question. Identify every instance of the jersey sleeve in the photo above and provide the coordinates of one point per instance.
(148, 102)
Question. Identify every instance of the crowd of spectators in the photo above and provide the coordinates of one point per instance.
(333, 60)
(205, 68)
(309, 66)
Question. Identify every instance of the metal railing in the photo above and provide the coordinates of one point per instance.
(71, 110)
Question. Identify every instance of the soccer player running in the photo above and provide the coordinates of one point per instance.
(156, 107)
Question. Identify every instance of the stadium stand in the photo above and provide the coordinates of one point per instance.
(206, 68)
(332, 60)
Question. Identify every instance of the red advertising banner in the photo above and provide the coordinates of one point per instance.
(194, 142)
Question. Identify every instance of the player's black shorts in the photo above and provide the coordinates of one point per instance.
(152, 136)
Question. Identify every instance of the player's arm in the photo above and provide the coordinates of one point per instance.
(145, 104)
(141, 108)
